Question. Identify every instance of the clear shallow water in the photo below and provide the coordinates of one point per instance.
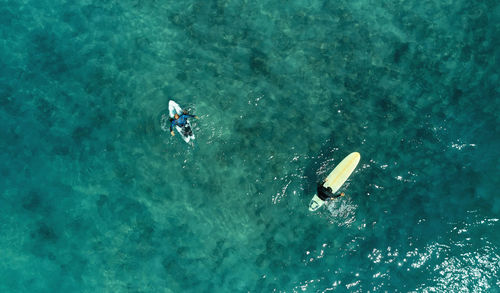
(95, 197)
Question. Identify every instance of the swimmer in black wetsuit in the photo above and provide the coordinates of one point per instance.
(325, 193)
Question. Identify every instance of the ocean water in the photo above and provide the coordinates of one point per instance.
(95, 197)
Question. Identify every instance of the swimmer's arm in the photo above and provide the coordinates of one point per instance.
(336, 196)
(172, 128)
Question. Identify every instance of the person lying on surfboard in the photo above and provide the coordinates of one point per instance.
(325, 193)
(180, 121)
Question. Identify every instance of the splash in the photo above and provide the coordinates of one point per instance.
(342, 212)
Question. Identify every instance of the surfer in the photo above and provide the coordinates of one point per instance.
(181, 121)
(325, 193)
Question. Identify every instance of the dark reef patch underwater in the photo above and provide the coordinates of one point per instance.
(95, 197)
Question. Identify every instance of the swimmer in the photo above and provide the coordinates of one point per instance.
(325, 193)
(181, 121)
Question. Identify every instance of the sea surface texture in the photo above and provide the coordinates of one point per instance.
(96, 197)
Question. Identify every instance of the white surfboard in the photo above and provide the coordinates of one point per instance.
(174, 108)
(337, 178)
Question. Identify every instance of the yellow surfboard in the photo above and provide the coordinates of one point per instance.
(337, 178)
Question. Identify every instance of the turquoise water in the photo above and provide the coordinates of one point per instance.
(95, 197)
